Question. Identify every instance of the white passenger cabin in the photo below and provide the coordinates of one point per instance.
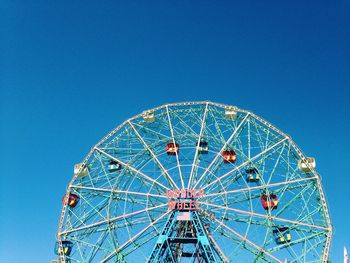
(148, 116)
(307, 164)
(81, 170)
(230, 114)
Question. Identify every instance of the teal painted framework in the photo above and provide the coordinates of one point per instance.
(170, 246)
(122, 212)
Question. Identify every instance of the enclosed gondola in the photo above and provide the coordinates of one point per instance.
(252, 175)
(282, 235)
(269, 202)
(113, 166)
(229, 156)
(172, 148)
(66, 248)
(71, 200)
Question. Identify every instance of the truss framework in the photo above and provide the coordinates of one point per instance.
(121, 215)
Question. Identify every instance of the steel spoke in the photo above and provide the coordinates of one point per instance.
(223, 148)
(269, 217)
(134, 237)
(111, 220)
(116, 191)
(177, 155)
(244, 239)
(259, 187)
(246, 162)
(165, 172)
(198, 142)
(131, 168)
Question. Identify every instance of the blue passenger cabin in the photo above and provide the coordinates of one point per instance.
(282, 235)
(253, 175)
(114, 166)
(66, 246)
(203, 147)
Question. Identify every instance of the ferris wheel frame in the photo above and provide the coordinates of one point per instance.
(193, 183)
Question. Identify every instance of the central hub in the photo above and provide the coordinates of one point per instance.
(184, 199)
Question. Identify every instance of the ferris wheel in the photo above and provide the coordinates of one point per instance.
(195, 182)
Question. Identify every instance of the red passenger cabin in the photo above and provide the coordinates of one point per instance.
(71, 200)
(229, 156)
(269, 202)
(172, 148)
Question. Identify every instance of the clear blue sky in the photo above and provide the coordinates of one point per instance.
(70, 71)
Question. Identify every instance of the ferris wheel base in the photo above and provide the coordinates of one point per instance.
(179, 234)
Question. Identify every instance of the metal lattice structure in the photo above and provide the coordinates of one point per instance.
(195, 182)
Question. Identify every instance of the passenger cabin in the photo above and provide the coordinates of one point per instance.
(230, 114)
(172, 148)
(269, 202)
(203, 147)
(113, 166)
(252, 175)
(307, 164)
(282, 235)
(148, 116)
(229, 156)
(66, 246)
(71, 200)
(81, 170)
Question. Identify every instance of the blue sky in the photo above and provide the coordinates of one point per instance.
(72, 71)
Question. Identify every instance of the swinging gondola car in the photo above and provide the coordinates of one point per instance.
(81, 170)
(172, 148)
(66, 246)
(253, 175)
(269, 202)
(307, 164)
(203, 147)
(230, 113)
(282, 235)
(113, 166)
(229, 156)
(148, 116)
(71, 200)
